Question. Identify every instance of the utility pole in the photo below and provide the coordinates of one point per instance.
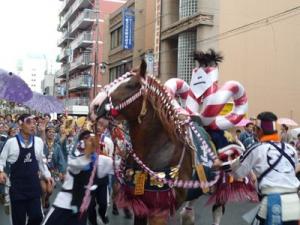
(68, 63)
(96, 57)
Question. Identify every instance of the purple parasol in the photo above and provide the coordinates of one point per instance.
(13, 88)
(45, 104)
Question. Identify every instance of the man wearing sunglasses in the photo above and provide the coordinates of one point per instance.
(25, 155)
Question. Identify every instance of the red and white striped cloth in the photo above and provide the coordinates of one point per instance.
(204, 98)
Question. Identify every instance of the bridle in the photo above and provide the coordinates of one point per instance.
(114, 111)
(144, 90)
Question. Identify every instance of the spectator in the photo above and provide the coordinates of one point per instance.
(248, 137)
(285, 134)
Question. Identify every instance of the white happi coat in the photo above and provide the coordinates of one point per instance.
(281, 179)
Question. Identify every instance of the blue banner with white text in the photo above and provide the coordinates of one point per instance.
(128, 29)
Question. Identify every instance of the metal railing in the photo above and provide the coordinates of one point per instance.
(78, 101)
(64, 6)
(83, 37)
(62, 71)
(71, 12)
(82, 81)
(60, 90)
(65, 36)
(65, 52)
(86, 15)
(83, 60)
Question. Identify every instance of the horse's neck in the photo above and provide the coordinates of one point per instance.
(152, 142)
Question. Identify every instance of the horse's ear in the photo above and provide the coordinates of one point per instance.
(143, 68)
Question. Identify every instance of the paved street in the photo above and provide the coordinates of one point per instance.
(232, 216)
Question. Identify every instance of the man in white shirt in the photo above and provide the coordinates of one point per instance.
(69, 201)
(25, 155)
(274, 163)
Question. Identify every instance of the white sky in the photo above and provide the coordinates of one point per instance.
(28, 27)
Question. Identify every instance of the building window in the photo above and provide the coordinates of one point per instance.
(118, 71)
(116, 38)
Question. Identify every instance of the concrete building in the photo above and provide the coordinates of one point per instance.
(259, 40)
(81, 24)
(48, 84)
(129, 36)
(33, 71)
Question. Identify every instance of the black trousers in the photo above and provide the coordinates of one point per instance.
(59, 216)
(100, 196)
(22, 208)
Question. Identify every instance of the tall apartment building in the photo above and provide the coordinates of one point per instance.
(259, 41)
(33, 70)
(48, 84)
(129, 36)
(81, 24)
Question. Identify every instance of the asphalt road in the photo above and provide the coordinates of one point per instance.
(233, 215)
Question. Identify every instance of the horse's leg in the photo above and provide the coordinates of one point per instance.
(158, 220)
(187, 213)
(217, 211)
(140, 220)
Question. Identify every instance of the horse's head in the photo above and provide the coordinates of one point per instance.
(123, 94)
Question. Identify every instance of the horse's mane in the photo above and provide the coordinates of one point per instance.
(160, 98)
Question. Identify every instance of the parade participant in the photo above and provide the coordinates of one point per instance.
(55, 162)
(247, 137)
(106, 148)
(120, 136)
(274, 163)
(25, 154)
(68, 206)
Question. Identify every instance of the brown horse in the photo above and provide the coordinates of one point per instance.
(159, 139)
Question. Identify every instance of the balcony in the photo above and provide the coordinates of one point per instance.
(77, 101)
(84, 40)
(65, 5)
(81, 82)
(73, 11)
(83, 21)
(82, 62)
(64, 53)
(61, 72)
(64, 39)
(60, 90)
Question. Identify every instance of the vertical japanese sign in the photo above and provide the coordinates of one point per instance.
(128, 29)
(157, 38)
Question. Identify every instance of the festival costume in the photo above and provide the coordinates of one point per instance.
(100, 194)
(273, 162)
(66, 209)
(205, 99)
(25, 190)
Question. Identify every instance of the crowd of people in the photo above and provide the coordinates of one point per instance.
(38, 154)
(248, 136)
